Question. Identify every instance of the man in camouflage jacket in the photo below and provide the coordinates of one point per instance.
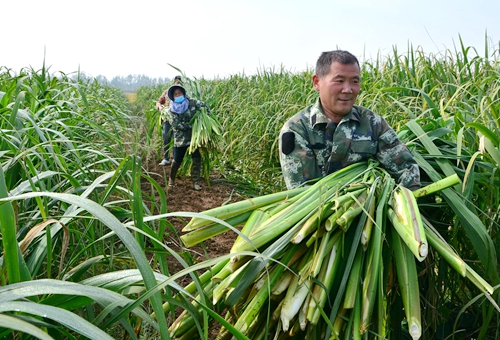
(334, 133)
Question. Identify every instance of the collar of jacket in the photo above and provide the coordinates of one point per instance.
(319, 120)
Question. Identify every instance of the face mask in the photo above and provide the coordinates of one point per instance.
(179, 99)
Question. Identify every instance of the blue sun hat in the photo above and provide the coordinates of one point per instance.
(171, 90)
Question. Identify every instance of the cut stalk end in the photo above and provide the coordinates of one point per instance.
(415, 331)
(364, 238)
(423, 250)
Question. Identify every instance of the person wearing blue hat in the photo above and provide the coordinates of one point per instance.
(180, 112)
(166, 132)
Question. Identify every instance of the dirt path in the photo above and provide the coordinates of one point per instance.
(183, 198)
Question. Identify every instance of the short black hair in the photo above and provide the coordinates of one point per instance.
(326, 59)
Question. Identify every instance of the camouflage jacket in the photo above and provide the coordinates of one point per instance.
(181, 123)
(312, 146)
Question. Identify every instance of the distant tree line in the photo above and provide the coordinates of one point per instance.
(130, 83)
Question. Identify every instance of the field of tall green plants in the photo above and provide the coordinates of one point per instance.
(83, 246)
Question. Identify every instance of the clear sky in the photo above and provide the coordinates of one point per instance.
(219, 38)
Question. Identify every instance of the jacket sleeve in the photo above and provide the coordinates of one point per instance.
(397, 159)
(162, 102)
(297, 159)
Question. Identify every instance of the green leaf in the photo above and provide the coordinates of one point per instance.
(65, 318)
(114, 224)
(21, 326)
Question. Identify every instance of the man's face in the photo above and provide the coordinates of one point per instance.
(338, 90)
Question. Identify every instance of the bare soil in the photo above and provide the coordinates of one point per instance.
(183, 198)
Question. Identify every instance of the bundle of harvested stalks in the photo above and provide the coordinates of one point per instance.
(335, 240)
(207, 132)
